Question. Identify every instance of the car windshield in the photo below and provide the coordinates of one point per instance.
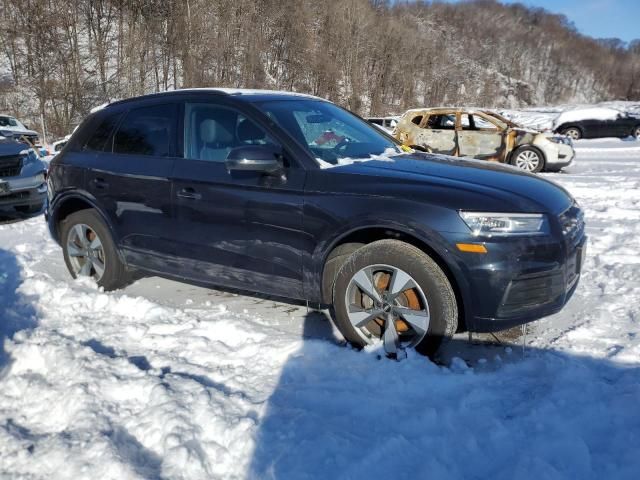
(503, 119)
(332, 135)
(8, 122)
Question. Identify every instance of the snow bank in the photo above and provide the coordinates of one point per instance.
(165, 380)
(385, 156)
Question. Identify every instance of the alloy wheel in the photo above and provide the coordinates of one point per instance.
(573, 133)
(528, 160)
(385, 302)
(85, 251)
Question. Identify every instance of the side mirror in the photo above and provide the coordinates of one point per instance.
(255, 158)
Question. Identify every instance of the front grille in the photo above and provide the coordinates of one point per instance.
(10, 166)
(572, 224)
(14, 196)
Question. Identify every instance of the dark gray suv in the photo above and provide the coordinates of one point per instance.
(23, 187)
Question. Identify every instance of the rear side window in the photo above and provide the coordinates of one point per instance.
(147, 131)
(98, 139)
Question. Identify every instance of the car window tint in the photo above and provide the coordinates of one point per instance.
(101, 134)
(211, 131)
(147, 131)
(8, 122)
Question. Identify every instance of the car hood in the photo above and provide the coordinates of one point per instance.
(498, 180)
(10, 148)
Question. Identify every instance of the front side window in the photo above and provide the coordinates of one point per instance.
(211, 131)
(147, 131)
(483, 124)
(331, 134)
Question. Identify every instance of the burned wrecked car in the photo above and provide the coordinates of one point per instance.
(484, 135)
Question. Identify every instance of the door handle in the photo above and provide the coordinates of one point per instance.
(189, 193)
(100, 183)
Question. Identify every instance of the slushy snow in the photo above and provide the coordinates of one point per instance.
(166, 380)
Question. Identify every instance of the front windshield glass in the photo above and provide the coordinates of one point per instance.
(511, 123)
(8, 122)
(332, 135)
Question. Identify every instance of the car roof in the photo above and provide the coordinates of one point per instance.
(244, 94)
(449, 109)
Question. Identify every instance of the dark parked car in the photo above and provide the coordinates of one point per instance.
(290, 195)
(22, 179)
(11, 127)
(597, 123)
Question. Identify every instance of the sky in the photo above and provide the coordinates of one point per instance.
(596, 18)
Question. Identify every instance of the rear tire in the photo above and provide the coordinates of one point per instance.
(636, 132)
(424, 315)
(89, 250)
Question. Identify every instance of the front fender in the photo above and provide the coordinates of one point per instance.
(430, 241)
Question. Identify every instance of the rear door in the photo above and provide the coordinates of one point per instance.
(480, 138)
(438, 133)
(239, 229)
(129, 179)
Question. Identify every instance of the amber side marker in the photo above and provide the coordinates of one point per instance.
(471, 247)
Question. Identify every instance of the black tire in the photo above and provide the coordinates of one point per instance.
(115, 275)
(424, 271)
(30, 209)
(524, 150)
(636, 132)
(574, 133)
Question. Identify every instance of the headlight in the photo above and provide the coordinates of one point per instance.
(503, 224)
(29, 156)
(561, 139)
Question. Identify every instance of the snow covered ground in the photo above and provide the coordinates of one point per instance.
(166, 380)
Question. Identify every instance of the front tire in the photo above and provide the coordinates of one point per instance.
(574, 133)
(392, 291)
(89, 250)
(528, 158)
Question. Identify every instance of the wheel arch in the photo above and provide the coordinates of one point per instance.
(543, 156)
(354, 239)
(562, 128)
(71, 203)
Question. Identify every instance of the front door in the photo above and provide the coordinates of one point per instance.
(479, 138)
(239, 229)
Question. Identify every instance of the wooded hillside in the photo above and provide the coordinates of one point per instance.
(60, 58)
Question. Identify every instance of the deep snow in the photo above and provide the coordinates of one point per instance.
(165, 380)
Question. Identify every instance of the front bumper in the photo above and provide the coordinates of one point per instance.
(23, 192)
(558, 155)
(520, 280)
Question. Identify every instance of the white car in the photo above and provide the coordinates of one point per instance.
(386, 124)
(11, 127)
